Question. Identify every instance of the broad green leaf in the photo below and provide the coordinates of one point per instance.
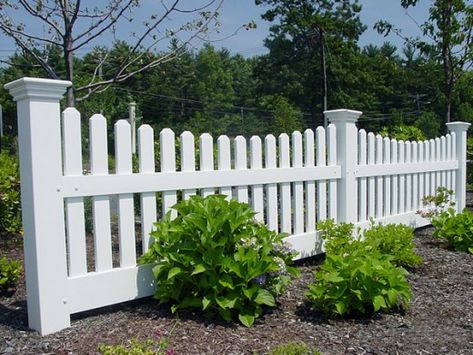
(174, 308)
(378, 303)
(341, 307)
(173, 272)
(226, 302)
(226, 314)
(265, 297)
(246, 319)
(158, 269)
(206, 303)
(191, 302)
(226, 281)
(250, 292)
(199, 268)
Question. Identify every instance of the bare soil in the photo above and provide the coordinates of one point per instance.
(439, 320)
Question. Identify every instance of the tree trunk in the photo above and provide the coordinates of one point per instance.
(447, 58)
(69, 59)
(69, 56)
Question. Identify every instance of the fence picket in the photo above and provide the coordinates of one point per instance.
(438, 157)
(443, 157)
(402, 177)
(433, 176)
(271, 189)
(241, 163)
(321, 158)
(421, 160)
(387, 179)
(449, 157)
(332, 161)
(426, 175)
(309, 161)
(286, 206)
(187, 158)
(379, 179)
(395, 180)
(224, 161)
(147, 199)
(126, 212)
(415, 178)
(206, 159)
(371, 179)
(167, 142)
(75, 218)
(408, 177)
(256, 162)
(100, 204)
(456, 157)
(362, 190)
(298, 200)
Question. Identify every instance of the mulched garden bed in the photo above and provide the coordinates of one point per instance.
(439, 320)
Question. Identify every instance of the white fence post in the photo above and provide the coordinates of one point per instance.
(347, 155)
(39, 138)
(460, 128)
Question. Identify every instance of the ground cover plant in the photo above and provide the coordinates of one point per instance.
(363, 273)
(10, 205)
(158, 345)
(9, 273)
(216, 257)
(455, 228)
(293, 348)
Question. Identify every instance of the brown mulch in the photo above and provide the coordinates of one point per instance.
(439, 320)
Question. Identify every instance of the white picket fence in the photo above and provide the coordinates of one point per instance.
(291, 182)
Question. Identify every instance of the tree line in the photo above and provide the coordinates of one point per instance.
(314, 62)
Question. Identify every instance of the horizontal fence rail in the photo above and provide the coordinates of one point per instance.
(291, 182)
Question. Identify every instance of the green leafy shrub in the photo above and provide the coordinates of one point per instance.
(216, 257)
(293, 348)
(9, 273)
(403, 132)
(455, 228)
(359, 282)
(363, 273)
(395, 240)
(10, 205)
(438, 203)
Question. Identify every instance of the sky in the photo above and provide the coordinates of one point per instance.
(234, 13)
(250, 43)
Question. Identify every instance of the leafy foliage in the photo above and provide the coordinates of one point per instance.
(10, 204)
(359, 282)
(363, 273)
(403, 132)
(394, 240)
(455, 228)
(159, 345)
(216, 257)
(9, 273)
(293, 348)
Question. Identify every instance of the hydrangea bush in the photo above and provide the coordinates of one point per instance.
(216, 257)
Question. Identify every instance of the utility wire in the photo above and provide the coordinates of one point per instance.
(175, 98)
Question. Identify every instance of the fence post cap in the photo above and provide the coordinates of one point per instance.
(458, 126)
(37, 88)
(343, 115)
